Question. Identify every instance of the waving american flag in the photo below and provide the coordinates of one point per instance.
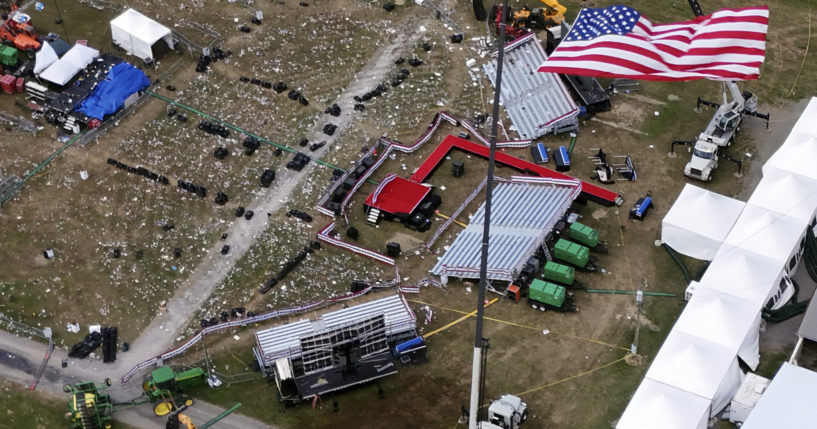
(617, 41)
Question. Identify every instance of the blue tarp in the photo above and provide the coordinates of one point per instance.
(122, 81)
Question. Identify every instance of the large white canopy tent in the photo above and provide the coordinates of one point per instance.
(768, 233)
(723, 319)
(64, 69)
(698, 222)
(697, 366)
(656, 405)
(788, 402)
(137, 33)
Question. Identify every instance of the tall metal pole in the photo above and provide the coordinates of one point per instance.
(476, 374)
(639, 300)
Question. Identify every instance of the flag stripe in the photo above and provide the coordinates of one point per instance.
(667, 76)
(653, 66)
(619, 42)
(664, 54)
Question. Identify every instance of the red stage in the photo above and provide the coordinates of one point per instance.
(397, 195)
(589, 190)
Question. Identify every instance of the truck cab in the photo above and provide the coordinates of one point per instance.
(703, 162)
(507, 412)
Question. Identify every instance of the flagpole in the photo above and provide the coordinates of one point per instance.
(477, 370)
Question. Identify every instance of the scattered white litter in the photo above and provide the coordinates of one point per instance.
(656, 113)
(546, 331)
(236, 337)
(83, 175)
(471, 62)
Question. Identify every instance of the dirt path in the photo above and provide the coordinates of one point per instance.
(20, 357)
(211, 271)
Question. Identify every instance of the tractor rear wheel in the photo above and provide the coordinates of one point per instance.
(524, 416)
(163, 408)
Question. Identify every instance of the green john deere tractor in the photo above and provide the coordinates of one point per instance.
(164, 387)
(90, 406)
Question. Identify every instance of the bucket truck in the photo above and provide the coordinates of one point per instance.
(720, 132)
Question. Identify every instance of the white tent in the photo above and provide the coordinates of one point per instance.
(807, 123)
(767, 233)
(723, 319)
(44, 58)
(137, 33)
(76, 59)
(698, 222)
(798, 154)
(786, 193)
(788, 402)
(656, 405)
(697, 366)
(742, 273)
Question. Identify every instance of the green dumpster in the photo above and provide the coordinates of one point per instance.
(584, 234)
(559, 273)
(571, 253)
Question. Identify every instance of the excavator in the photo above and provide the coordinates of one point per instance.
(16, 29)
(520, 22)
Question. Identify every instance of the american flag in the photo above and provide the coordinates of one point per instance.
(617, 41)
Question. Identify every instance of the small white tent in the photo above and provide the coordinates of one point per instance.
(76, 59)
(698, 222)
(137, 33)
(44, 58)
(724, 319)
(697, 366)
(656, 405)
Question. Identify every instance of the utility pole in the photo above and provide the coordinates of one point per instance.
(639, 299)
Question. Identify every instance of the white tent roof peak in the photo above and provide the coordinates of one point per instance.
(693, 364)
(786, 193)
(657, 405)
(741, 273)
(766, 232)
(699, 221)
(723, 319)
(798, 154)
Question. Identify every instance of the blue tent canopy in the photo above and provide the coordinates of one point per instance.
(122, 81)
